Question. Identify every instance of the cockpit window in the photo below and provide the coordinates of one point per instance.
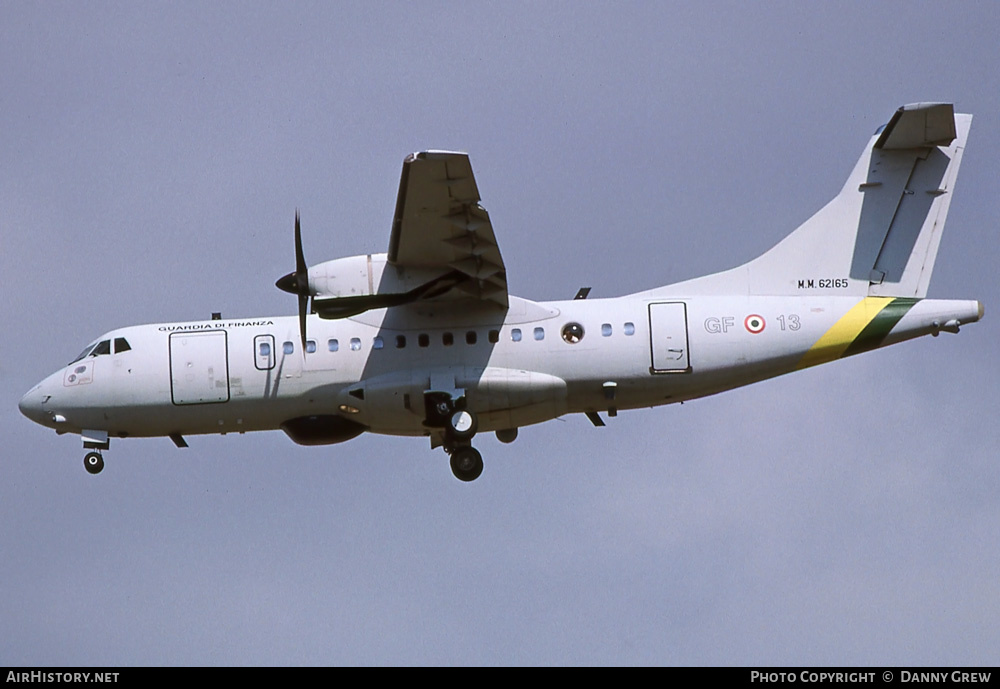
(103, 347)
(85, 352)
(121, 345)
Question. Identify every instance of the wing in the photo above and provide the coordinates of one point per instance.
(440, 225)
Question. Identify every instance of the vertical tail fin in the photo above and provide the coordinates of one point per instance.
(880, 235)
(902, 228)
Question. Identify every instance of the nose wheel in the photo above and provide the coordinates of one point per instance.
(93, 462)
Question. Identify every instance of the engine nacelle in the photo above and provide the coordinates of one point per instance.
(365, 275)
(348, 286)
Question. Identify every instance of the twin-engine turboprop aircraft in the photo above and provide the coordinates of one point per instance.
(426, 341)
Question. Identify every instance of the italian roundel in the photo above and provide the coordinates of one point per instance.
(754, 323)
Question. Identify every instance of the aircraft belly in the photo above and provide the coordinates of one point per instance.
(501, 397)
(526, 399)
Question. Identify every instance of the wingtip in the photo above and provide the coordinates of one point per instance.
(433, 153)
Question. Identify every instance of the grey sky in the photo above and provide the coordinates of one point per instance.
(153, 155)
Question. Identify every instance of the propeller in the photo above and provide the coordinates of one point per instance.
(298, 282)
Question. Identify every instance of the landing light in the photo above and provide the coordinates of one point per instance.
(348, 409)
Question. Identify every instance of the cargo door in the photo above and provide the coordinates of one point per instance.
(199, 367)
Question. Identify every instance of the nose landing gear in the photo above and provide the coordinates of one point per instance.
(93, 462)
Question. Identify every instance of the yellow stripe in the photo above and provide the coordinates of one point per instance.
(837, 339)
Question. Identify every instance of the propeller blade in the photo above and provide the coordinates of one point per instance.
(302, 273)
(303, 302)
(301, 269)
(298, 282)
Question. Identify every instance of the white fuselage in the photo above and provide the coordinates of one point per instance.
(516, 369)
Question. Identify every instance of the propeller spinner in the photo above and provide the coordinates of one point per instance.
(298, 282)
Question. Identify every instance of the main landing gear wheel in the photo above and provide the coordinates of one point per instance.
(466, 463)
(462, 424)
(93, 462)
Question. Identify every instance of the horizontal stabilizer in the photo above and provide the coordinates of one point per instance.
(919, 125)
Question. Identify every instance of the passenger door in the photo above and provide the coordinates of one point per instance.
(668, 338)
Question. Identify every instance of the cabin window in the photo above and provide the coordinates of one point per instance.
(333, 345)
(447, 339)
(310, 346)
(539, 334)
(121, 345)
(629, 329)
(515, 334)
(288, 348)
(606, 330)
(265, 349)
(423, 339)
(377, 342)
(494, 336)
(470, 337)
(355, 344)
(103, 347)
(400, 341)
(572, 333)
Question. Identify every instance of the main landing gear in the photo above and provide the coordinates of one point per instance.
(93, 462)
(460, 425)
(466, 463)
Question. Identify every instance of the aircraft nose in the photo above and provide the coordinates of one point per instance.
(31, 404)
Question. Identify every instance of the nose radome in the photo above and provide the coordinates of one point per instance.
(31, 404)
(25, 405)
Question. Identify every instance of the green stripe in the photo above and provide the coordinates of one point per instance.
(873, 334)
